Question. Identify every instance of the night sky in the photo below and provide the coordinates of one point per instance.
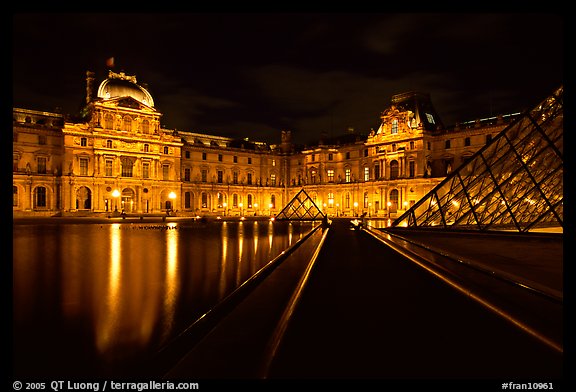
(253, 75)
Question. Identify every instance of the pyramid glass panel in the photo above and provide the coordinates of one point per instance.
(515, 182)
(301, 207)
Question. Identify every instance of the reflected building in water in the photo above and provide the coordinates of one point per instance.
(115, 156)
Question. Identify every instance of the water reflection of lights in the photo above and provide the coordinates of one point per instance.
(240, 247)
(105, 332)
(223, 261)
(290, 229)
(270, 234)
(171, 291)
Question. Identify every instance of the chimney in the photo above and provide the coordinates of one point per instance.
(89, 86)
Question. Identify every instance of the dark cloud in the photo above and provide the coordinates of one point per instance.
(252, 75)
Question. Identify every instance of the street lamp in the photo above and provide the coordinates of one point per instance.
(172, 196)
(116, 194)
(355, 208)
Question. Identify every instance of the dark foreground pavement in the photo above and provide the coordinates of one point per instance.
(369, 313)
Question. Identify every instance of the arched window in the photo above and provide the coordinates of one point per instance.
(204, 200)
(108, 143)
(273, 201)
(249, 201)
(127, 123)
(108, 121)
(14, 196)
(187, 200)
(394, 126)
(40, 197)
(145, 126)
(393, 200)
(393, 170)
(146, 147)
(347, 200)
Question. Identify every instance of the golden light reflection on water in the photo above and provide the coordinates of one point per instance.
(270, 235)
(126, 288)
(240, 248)
(171, 292)
(223, 261)
(105, 329)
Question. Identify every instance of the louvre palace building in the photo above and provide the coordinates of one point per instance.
(116, 157)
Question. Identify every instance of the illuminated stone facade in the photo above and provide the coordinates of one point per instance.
(117, 157)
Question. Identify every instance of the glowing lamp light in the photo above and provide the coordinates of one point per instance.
(172, 195)
(116, 193)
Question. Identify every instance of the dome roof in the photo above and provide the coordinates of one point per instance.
(122, 85)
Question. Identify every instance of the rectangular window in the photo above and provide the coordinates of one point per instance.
(165, 172)
(412, 168)
(15, 162)
(467, 141)
(235, 201)
(273, 179)
(145, 170)
(428, 145)
(187, 154)
(220, 175)
(249, 160)
(83, 166)
(249, 178)
(330, 156)
(348, 155)
(366, 152)
(348, 175)
(83, 142)
(394, 126)
(203, 156)
(41, 139)
(204, 200)
(488, 138)
(219, 157)
(235, 177)
(330, 173)
(376, 172)
(187, 174)
(41, 165)
(411, 145)
(366, 173)
(204, 175)
(447, 144)
(313, 157)
(108, 168)
(235, 159)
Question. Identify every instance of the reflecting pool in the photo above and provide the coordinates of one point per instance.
(92, 299)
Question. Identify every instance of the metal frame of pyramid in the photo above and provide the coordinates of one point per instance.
(301, 207)
(515, 182)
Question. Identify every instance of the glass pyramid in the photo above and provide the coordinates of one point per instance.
(515, 182)
(301, 207)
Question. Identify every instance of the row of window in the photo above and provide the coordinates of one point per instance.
(40, 200)
(125, 124)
